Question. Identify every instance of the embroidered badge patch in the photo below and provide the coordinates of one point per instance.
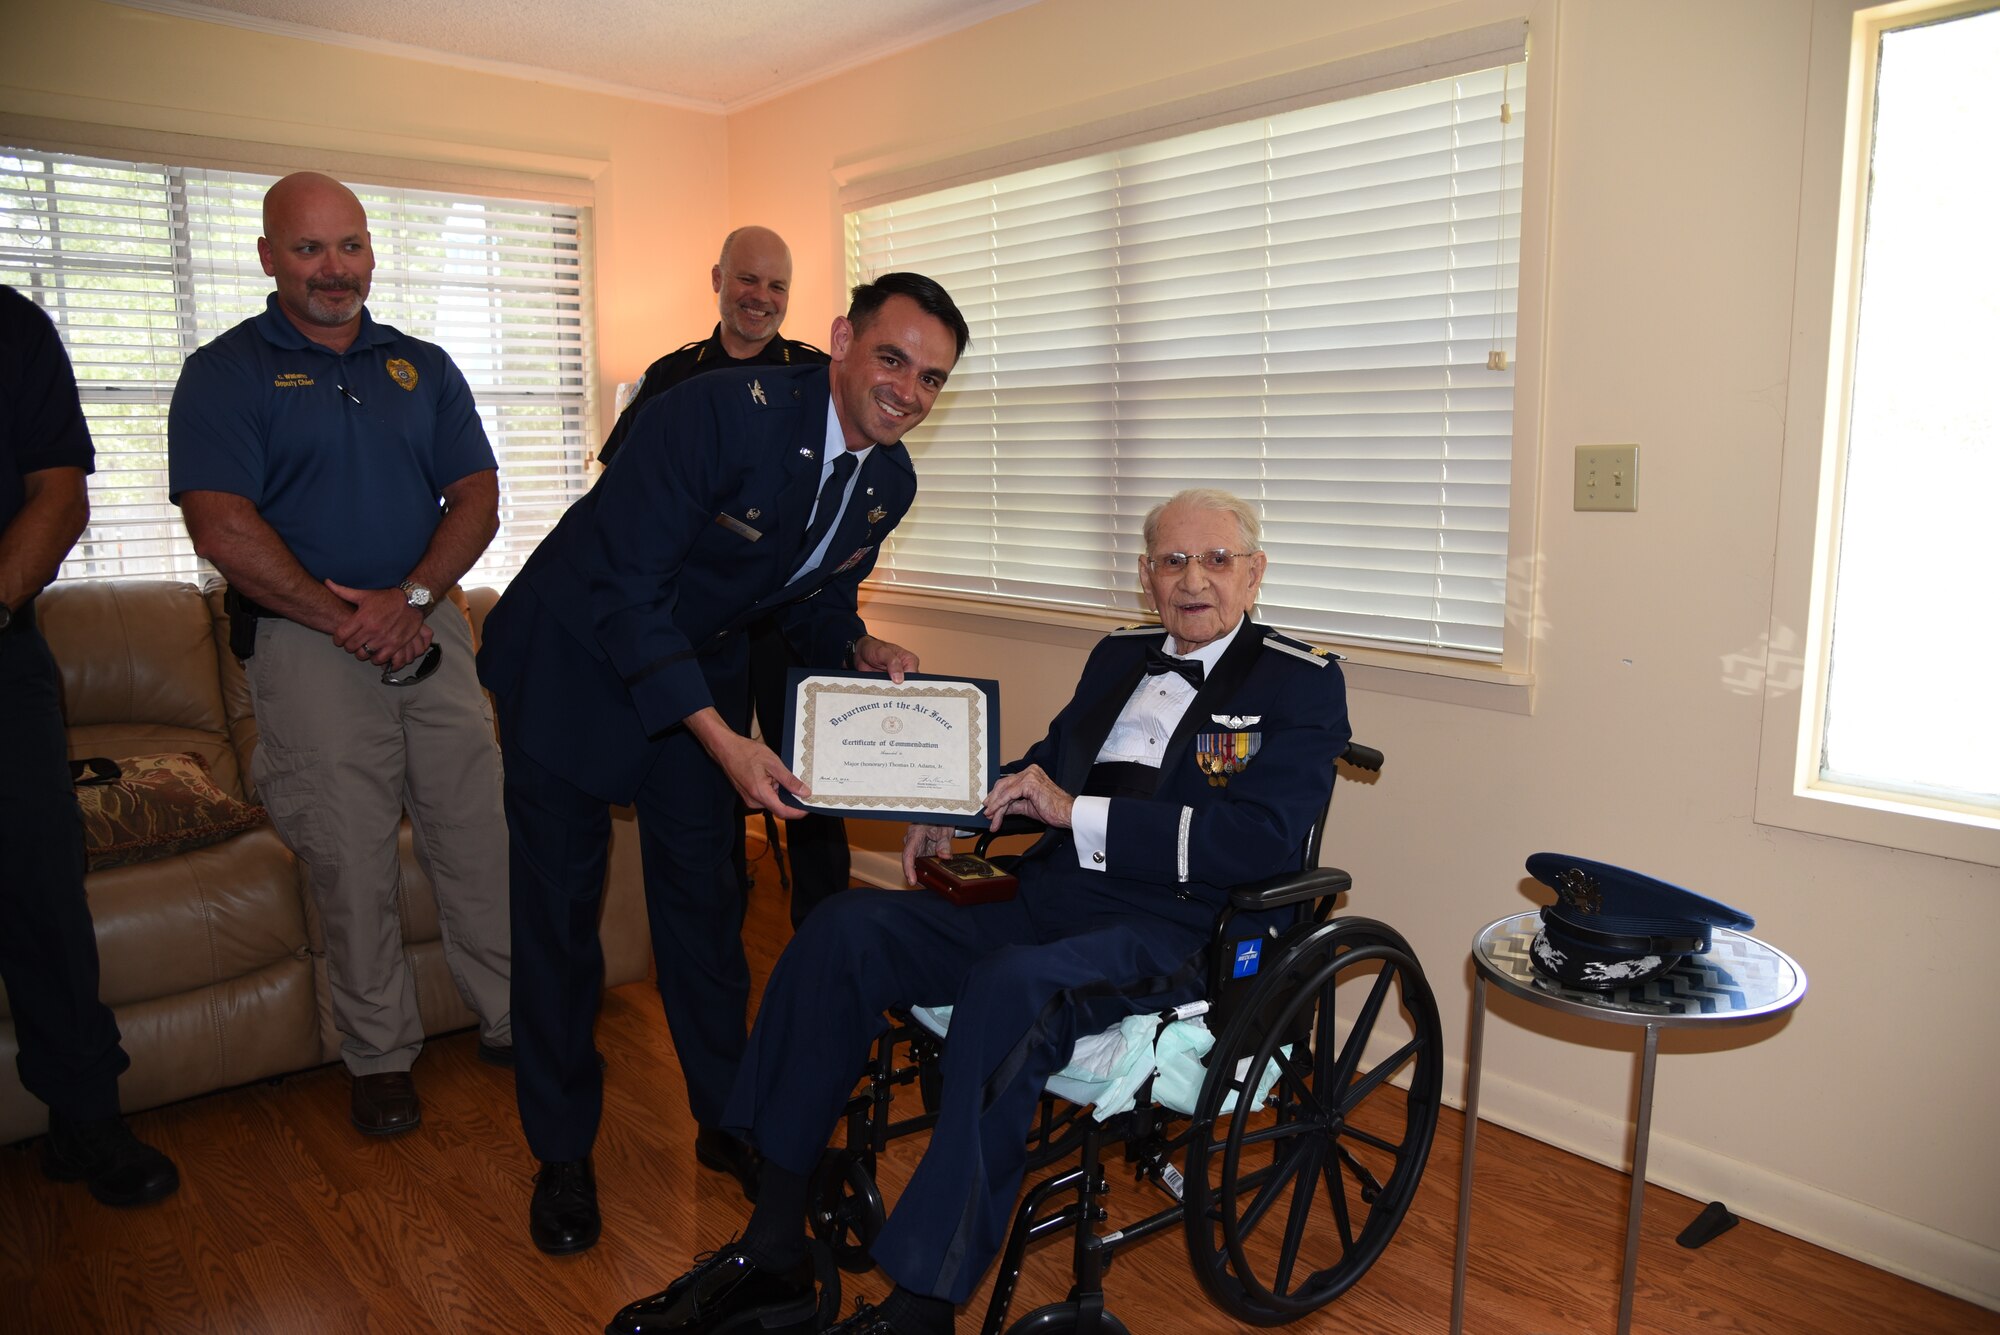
(1221, 754)
(402, 372)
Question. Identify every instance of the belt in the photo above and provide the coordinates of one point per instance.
(1121, 778)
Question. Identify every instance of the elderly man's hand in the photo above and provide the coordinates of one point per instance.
(924, 841)
(873, 655)
(1029, 793)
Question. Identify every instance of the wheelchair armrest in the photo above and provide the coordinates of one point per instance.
(1292, 887)
(1363, 757)
(1012, 825)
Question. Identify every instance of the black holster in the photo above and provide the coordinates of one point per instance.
(243, 617)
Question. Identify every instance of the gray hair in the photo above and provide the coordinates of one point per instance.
(1207, 498)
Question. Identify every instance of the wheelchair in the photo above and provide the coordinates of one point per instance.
(1288, 1172)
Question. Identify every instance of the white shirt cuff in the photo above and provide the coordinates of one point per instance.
(1090, 830)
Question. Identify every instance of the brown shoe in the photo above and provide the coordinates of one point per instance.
(385, 1103)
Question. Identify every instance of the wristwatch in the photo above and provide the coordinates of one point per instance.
(420, 597)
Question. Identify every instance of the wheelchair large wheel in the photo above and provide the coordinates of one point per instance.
(1289, 1201)
(845, 1208)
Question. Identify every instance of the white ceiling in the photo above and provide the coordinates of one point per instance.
(709, 55)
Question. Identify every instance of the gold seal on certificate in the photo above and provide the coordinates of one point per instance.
(922, 750)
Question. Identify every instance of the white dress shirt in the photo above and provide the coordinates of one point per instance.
(1140, 737)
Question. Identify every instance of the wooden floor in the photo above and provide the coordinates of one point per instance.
(290, 1223)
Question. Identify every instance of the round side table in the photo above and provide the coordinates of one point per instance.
(1739, 980)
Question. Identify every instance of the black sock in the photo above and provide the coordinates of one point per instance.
(776, 1237)
(915, 1314)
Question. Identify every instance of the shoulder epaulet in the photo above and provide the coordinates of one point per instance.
(1285, 644)
(1139, 630)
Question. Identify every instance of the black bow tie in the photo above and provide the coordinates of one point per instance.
(1190, 668)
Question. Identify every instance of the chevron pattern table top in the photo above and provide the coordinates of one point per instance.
(1740, 979)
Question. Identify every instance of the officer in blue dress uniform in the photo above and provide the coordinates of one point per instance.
(753, 288)
(1115, 905)
(616, 659)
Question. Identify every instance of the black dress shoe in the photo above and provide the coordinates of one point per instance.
(118, 1167)
(563, 1218)
(867, 1320)
(717, 1149)
(385, 1103)
(726, 1291)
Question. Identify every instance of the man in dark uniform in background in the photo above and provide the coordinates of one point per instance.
(753, 287)
(617, 659)
(70, 1055)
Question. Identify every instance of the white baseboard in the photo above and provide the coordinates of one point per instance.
(1901, 1246)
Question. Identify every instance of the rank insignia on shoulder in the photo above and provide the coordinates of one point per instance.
(402, 373)
(1140, 630)
(757, 390)
(1222, 754)
(1285, 644)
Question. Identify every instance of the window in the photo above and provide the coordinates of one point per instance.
(141, 264)
(1891, 714)
(1314, 307)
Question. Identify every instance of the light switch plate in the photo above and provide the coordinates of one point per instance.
(1607, 477)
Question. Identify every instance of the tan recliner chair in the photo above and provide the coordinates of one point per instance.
(212, 959)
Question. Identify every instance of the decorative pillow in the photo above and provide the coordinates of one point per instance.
(159, 805)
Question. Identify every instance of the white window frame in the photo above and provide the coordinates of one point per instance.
(1505, 684)
(1832, 217)
(180, 155)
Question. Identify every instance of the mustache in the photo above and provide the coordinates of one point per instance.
(332, 285)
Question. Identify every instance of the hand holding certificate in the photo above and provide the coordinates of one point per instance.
(924, 750)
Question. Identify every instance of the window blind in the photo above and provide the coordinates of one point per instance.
(140, 264)
(1313, 308)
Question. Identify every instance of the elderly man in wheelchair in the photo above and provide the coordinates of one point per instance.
(1195, 756)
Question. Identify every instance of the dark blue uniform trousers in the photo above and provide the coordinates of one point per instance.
(70, 1056)
(1026, 978)
(559, 842)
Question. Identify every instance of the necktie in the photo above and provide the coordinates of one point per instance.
(1158, 662)
(828, 506)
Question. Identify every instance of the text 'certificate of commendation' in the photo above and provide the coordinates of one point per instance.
(925, 750)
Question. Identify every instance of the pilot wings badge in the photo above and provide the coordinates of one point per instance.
(1222, 754)
(1238, 720)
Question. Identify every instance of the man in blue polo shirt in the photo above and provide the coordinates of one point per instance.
(335, 471)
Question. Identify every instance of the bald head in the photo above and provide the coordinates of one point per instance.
(753, 286)
(316, 246)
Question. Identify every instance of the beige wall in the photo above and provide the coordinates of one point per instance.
(1864, 1120)
(1861, 1121)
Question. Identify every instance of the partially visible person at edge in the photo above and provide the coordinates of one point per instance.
(70, 1053)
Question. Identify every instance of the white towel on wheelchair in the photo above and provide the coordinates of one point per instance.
(1106, 1070)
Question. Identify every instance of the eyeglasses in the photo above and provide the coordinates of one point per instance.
(1215, 562)
(424, 668)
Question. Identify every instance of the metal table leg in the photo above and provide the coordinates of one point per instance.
(1639, 1143)
(1474, 1044)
